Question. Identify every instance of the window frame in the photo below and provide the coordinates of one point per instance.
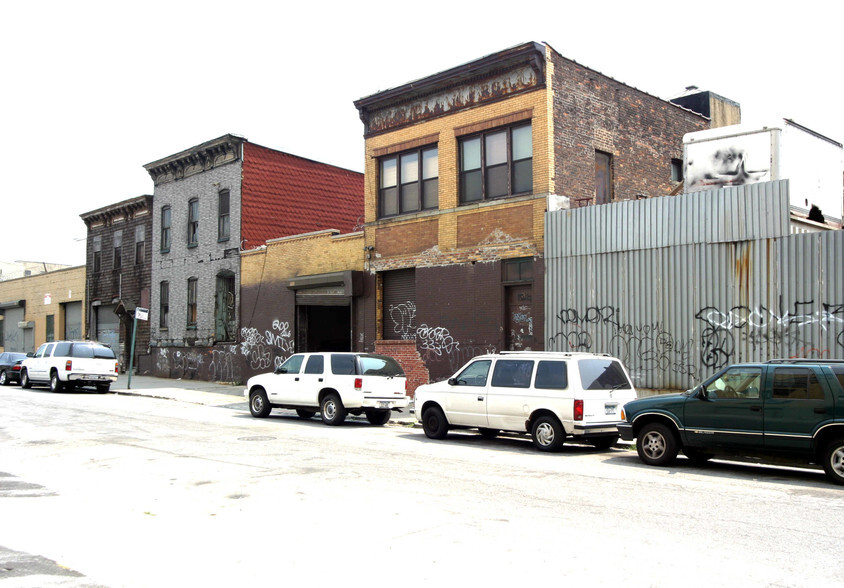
(166, 224)
(420, 182)
(164, 304)
(192, 295)
(117, 260)
(486, 167)
(603, 183)
(97, 261)
(140, 244)
(193, 222)
(223, 218)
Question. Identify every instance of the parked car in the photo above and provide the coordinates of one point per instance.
(333, 384)
(66, 364)
(782, 409)
(10, 367)
(550, 395)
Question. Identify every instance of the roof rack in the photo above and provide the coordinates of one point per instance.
(804, 360)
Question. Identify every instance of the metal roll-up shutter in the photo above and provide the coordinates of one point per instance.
(108, 327)
(399, 304)
(73, 320)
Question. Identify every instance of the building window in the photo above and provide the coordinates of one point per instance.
(518, 270)
(139, 245)
(193, 223)
(51, 327)
(225, 324)
(192, 302)
(409, 182)
(98, 246)
(676, 170)
(118, 249)
(603, 177)
(164, 305)
(165, 229)
(223, 215)
(496, 163)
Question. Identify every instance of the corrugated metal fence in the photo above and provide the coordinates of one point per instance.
(680, 287)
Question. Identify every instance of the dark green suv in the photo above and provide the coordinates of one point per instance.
(790, 408)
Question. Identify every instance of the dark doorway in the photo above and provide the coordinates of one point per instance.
(323, 328)
(519, 318)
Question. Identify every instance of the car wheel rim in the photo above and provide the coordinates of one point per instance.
(2, 378)
(654, 445)
(257, 403)
(545, 434)
(330, 410)
(837, 461)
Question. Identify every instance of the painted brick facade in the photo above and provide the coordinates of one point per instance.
(32, 299)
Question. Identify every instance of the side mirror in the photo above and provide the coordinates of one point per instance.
(30, 354)
(702, 392)
(280, 370)
(452, 381)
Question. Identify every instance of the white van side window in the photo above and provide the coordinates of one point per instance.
(552, 375)
(475, 374)
(512, 373)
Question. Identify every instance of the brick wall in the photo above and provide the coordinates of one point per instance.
(642, 133)
(406, 354)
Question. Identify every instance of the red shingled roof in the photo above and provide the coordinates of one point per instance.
(285, 195)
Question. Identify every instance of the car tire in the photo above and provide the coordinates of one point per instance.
(434, 423)
(833, 461)
(488, 433)
(4, 381)
(56, 385)
(604, 443)
(547, 433)
(259, 406)
(332, 411)
(25, 381)
(656, 445)
(696, 456)
(378, 417)
(305, 414)
(103, 388)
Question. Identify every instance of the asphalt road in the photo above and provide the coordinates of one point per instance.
(124, 490)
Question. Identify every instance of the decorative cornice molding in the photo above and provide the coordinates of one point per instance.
(198, 159)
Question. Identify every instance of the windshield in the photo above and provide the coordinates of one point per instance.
(379, 365)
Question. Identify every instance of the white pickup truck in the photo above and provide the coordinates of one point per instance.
(70, 363)
(333, 384)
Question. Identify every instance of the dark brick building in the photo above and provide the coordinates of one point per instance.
(461, 167)
(118, 267)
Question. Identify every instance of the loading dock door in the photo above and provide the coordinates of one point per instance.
(108, 327)
(73, 320)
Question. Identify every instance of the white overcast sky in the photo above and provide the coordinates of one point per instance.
(91, 91)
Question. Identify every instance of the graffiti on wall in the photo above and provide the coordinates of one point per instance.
(266, 349)
(436, 343)
(648, 348)
(791, 330)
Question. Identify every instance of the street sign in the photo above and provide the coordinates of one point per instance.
(142, 314)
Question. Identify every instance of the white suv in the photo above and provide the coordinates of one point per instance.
(547, 394)
(333, 384)
(70, 363)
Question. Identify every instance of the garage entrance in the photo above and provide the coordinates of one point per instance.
(324, 328)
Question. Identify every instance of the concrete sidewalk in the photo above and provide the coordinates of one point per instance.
(206, 393)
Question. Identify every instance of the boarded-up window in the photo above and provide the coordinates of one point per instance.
(399, 307)
(603, 177)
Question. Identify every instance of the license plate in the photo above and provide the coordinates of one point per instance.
(383, 404)
(610, 408)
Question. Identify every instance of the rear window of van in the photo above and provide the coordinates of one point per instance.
(602, 374)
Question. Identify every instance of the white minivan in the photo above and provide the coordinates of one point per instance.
(550, 395)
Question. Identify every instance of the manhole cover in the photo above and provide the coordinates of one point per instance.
(257, 438)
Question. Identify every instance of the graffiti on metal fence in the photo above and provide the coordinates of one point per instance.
(793, 330)
(648, 348)
(403, 316)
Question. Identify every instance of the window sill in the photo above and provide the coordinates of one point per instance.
(193, 245)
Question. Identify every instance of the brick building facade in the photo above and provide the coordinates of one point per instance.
(461, 167)
(118, 272)
(214, 202)
(41, 308)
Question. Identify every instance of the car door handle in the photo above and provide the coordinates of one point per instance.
(320, 379)
(480, 398)
(820, 410)
(296, 379)
(756, 408)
